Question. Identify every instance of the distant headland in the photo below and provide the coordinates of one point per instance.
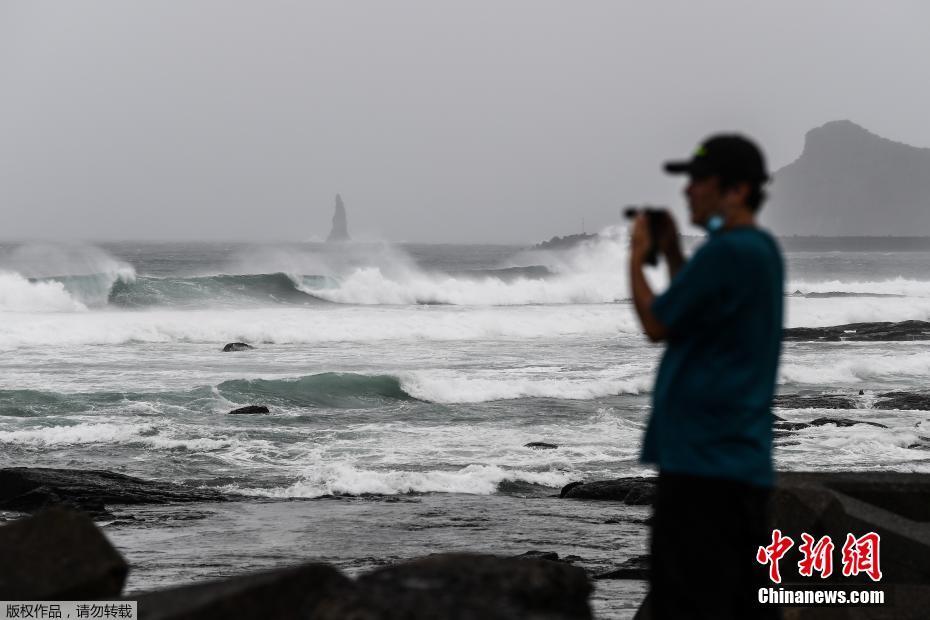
(849, 181)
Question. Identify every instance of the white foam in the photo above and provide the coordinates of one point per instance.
(855, 447)
(17, 294)
(820, 312)
(347, 479)
(84, 433)
(445, 386)
(591, 272)
(855, 363)
(310, 325)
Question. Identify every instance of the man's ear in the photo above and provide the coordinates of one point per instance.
(737, 194)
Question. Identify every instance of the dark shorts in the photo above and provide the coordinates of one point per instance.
(705, 534)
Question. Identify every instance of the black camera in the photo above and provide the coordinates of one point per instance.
(655, 217)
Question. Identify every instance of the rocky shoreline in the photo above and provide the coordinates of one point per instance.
(78, 562)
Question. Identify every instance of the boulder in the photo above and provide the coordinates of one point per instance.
(842, 422)
(250, 409)
(237, 346)
(539, 555)
(540, 445)
(878, 331)
(59, 555)
(634, 568)
(635, 491)
(466, 587)
(819, 401)
(280, 594)
(903, 400)
(28, 489)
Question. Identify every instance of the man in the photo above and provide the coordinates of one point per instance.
(710, 433)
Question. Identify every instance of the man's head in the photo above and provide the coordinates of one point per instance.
(726, 174)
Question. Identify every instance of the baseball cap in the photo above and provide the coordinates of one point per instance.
(729, 155)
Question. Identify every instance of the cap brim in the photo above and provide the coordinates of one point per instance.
(678, 167)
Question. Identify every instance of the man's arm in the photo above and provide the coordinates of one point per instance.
(642, 293)
(670, 245)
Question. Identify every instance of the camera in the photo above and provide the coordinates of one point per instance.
(655, 217)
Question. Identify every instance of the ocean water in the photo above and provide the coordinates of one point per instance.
(403, 382)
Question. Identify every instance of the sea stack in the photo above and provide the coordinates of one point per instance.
(340, 230)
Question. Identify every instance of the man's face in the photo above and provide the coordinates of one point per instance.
(704, 198)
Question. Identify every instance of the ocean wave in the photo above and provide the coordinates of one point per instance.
(450, 387)
(331, 389)
(313, 325)
(899, 286)
(348, 479)
(212, 290)
(18, 294)
(854, 365)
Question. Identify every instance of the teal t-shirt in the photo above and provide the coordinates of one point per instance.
(712, 402)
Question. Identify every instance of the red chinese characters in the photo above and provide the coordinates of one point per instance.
(860, 555)
(773, 553)
(817, 556)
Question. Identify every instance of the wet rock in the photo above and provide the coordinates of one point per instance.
(59, 555)
(819, 401)
(237, 346)
(782, 427)
(540, 555)
(43, 497)
(634, 568)
(637, 491)
(878, 331)
(844, 422)
(250, 409)
(540, 445)
(903, 400)
(280, 594)
(466, 586)
(27, 489)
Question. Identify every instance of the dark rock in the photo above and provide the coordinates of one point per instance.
(237, 346)
(466, 587)
(634, 568)
(903, 400)
(250, 409)
(280, 594)
(540, 445)
(819, 401)
(879, 331)
(568, 487)
(340, 229)
(636, 491)
(842, 422)
(58, 555)
(566, 242)
(44, 497)
(27, 489)
(540, 555)
(861, 392)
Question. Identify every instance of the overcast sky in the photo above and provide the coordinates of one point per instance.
(478, 121)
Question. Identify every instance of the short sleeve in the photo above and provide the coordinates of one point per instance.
(696, 293)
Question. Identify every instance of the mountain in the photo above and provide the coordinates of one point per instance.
(340, 230)
(851, 182)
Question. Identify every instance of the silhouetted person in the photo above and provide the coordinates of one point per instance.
(710, 432)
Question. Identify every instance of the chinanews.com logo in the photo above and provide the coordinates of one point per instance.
(859, 555)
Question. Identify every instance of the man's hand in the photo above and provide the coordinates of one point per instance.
(640, 242)
(640, 239)
(669, 244)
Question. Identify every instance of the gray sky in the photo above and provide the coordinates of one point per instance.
(496, 121)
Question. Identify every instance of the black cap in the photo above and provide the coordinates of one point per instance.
(730, 156)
